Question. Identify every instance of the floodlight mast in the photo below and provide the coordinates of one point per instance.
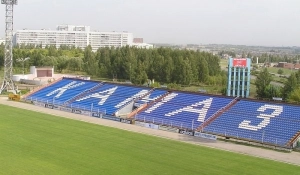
(7, 83)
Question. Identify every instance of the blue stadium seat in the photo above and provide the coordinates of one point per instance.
(62, 91)
(153, 96)
(109, 98)
(251, 120)
(183, 109)
(258, 121)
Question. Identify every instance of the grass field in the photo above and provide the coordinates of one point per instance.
(36, 143)
(223, 64)
(285, 71)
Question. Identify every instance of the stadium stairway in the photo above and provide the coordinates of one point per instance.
(217, 114)
(140, 109)
(149, 92)
(136, 110)
(131, 103)
(82, 94)
(40, 88)
(293, 139)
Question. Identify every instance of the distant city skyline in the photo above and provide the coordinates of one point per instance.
(237, 22)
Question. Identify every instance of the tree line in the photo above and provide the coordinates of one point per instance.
(289, 92)
(165, 65)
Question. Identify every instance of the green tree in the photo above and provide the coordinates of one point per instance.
(289, 86)
(223, 91)
(140, 77)
(280, 71)
(89, 61)
(52, 51)
(36, 58)
(294, 96)
(75, 64)
(203, 71)
(168, 69)
(103, 57)
(165, 65)
(62, 63)
(262, 82)
(48, 61)
(273, 91)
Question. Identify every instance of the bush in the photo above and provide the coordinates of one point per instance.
(174, 86)
(155, 85)
(280, 71)
(223, 91)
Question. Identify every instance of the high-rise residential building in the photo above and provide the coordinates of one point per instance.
(69, 35)
(109, 39)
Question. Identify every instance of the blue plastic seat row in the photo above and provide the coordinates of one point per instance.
(262, 122)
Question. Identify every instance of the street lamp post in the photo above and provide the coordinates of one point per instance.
(23, 60)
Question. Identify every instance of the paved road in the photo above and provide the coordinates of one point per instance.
(291, 158)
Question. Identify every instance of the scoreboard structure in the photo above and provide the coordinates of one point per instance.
(239, 77)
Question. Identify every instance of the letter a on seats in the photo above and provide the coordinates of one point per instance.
(202, 112)
(103, 95)
(61, 90)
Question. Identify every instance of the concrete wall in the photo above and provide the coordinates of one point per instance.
(125, 110)
(33, 82)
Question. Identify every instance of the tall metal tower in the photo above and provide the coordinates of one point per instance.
(8, 56)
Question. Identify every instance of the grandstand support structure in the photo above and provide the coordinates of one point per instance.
(8, 83)
(133, 113)
(136, 111)
(135, 100)
(149, 92)
(217, 114)
(294, 139)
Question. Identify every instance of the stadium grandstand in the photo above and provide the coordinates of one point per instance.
(268, 123)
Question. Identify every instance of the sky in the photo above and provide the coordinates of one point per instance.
(240, 22)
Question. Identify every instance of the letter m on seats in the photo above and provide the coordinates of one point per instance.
(61, 90)
(194, 108)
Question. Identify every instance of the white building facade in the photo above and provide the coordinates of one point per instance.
(142, 45)
(69, 35)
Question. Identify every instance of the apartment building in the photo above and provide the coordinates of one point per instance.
(78, 36)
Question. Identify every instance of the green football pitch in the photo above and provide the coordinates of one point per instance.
(36, 143)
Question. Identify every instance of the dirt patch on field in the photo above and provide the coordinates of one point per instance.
(291, 158)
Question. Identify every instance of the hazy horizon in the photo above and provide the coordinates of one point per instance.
(236, 22)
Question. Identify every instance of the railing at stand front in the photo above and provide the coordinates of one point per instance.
(262, 137)
(165, 122)
(61, 104)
